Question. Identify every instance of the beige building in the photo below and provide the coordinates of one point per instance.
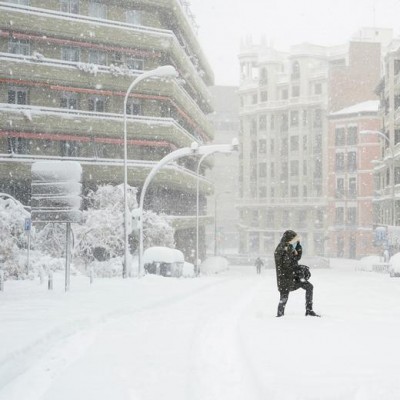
(285, 99)
(64, 71)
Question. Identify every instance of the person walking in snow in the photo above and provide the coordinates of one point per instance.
(290, 275)
(259, 263)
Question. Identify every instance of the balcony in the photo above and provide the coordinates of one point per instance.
(110, 170)
(49, 24)
(87, 124)
(56, 74)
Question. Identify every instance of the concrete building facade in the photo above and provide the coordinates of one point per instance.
(285, 101)
(351, 157)
(64, 71)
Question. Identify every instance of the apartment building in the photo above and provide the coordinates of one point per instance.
(351, 158)
(65, 68)
(285, 100)
(387, 172)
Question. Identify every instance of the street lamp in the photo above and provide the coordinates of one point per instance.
(220, 148)
(194, 149)
(164, 71)
(385, 137)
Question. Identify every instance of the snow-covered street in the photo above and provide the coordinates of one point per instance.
(215, 337)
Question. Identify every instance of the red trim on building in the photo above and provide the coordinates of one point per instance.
(86, 139)
(141, 53)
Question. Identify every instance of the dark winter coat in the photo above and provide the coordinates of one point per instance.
(287, 257)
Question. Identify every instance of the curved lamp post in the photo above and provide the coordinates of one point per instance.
(194, 149)
(222, 148)
(382, 135)
(164, 71)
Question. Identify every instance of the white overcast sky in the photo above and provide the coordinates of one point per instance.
(223, 23)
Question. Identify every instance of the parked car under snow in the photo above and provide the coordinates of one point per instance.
(163, 261)
(394, 265)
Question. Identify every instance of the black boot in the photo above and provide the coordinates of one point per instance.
(311, 313)
(281, 310)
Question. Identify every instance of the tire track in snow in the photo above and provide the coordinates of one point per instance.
(22, 361)
(219, 367)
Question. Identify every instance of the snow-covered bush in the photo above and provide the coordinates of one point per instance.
(157, 231)
(12, 236)
(214, 265)
(101, 236)
(50, 239)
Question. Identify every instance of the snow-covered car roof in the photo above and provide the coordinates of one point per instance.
(162, 254)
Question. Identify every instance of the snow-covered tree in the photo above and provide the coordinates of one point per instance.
(101, 236)
(12, 236)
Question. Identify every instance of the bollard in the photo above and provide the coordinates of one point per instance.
(91, 275)
(50, 282)
(1, 281)
(41, 275)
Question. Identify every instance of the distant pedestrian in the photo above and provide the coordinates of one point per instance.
(259, 263)
(290, 275)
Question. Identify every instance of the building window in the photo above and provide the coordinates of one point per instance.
(97, 57)
(304, 143)
(351, 216)
(262, 122)
(272, 121)
(318, 88)
(135, 63)
(264, 96)
(295, 91)
(134, 17)
(352, 135)
(339, 218)
(397, 136)
(97, 104)
(284, 146)
(304, 167)
(69, 6)
(272, 170)
(305, 118)
(262, 170)
(339, 188)
(317, 118)
(262, 146)
(19, 46)
(295, 70)
(294, 168)
(351, 161)
(294, 143)
(339, 161)
(253, 127)
(254, 98)
(69, 100)
(134, 107)
(339, 137)
(17, 95)
(294, 191)
(272, 145)
(353, 187)
(284, 123)
(294, 118)
(97, 9)
(69, 149)
(284, 94)
(305, 192)
(397, 175)
(69, 53)
(18, 145)
(263, 76)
